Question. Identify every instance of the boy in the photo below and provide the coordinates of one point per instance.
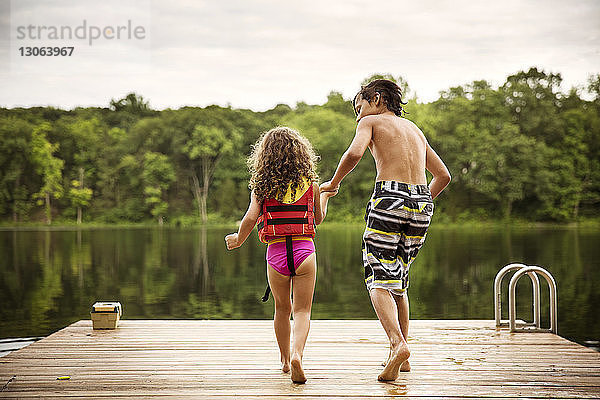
(398, 213)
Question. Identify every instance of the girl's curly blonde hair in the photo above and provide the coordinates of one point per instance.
(280, 158)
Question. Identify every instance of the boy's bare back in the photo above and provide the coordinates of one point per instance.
(398, 147)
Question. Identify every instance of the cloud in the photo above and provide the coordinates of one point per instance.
(260, 53)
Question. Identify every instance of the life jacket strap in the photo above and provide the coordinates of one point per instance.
(265, 298)
(287, 207)
(289, 249)
(283, 221)
(289, 254)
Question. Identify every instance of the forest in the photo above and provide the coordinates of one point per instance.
(525, 150)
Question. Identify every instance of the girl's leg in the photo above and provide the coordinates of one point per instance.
(303, 287)
(280, 287)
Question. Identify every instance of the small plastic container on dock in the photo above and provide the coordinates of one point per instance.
(106, 314)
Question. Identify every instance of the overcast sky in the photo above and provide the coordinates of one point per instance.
(256, 54)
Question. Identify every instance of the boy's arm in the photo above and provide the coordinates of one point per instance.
(349, 160)
(234, 240)
(441, 175)
(320, 202)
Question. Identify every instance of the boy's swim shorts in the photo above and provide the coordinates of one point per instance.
(397, 216)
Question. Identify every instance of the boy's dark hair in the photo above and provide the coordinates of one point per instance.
(390, 93)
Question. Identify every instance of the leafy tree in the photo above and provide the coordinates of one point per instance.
(532, 98)
(522, 149)
(131, 187)
(505, 167)
(79, 195)
(149, 134)
(81, 142)
(158, 174)
(16, 178)
(125, 112)
(109, 185)
(336, 102)
(484, 149)
(131, 103)
(594, 87)
(47, 166)
(204, 149)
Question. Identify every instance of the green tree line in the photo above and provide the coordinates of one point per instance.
(524, 149)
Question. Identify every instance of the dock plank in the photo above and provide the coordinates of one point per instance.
(233, 359)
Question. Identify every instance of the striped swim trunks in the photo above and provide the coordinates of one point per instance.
(397, 216)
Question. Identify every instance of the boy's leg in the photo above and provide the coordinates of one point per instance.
(280, 287)
(403, 319)
(403, 312)
(303, 287)
(386, 309)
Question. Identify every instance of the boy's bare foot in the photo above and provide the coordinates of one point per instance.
(398, 356)
(405, 367)
(297, 371)
(384, 363)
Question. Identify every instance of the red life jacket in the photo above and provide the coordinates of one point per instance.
(279, 219)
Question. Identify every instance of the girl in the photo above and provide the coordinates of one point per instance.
(287, 204)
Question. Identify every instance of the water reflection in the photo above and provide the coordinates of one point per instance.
(396, 389)
(49, 279)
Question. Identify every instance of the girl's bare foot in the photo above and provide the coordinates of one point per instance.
(285, 364)
(398, 356)
(297, 371)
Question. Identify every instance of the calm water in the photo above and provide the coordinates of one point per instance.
(49, 279)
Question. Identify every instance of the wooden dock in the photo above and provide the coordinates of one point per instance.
(239, 359)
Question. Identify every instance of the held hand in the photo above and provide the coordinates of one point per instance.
(232, 241)
(328, 187)
(329, 194)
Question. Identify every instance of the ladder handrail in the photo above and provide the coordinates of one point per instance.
(498, 294)
(512, 304)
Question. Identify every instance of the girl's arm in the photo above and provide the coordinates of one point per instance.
(320, 201)
(235, 240)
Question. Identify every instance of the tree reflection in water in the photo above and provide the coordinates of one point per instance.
(50, 278)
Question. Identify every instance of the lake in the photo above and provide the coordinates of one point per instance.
(49, 278)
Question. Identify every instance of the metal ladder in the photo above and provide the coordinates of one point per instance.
(532, 271)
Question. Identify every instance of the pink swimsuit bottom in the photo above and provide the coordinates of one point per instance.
(277, 256)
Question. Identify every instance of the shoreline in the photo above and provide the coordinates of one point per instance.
(516, 224)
